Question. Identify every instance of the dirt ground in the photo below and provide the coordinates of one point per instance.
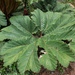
(66, 71)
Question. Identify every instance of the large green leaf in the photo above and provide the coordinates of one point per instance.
(24, 40)
(59, 48)
(39, 19)
(2, 19)
(26, 54)
(55, 25)
(55, 50)
(22, 27)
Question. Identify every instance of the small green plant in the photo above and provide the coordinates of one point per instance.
(36, 39)
(26, 34)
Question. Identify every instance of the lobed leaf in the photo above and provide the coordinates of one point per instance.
(24, 53)
(24, 40)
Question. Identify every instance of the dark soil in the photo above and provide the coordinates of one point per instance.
(65, 71)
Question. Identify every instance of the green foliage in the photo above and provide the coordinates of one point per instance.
(25, 34)
(64, 8)
(2, 19)
(45, 5)
(54, 6)
(31, 1)
(7, 71)
(23, 38)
